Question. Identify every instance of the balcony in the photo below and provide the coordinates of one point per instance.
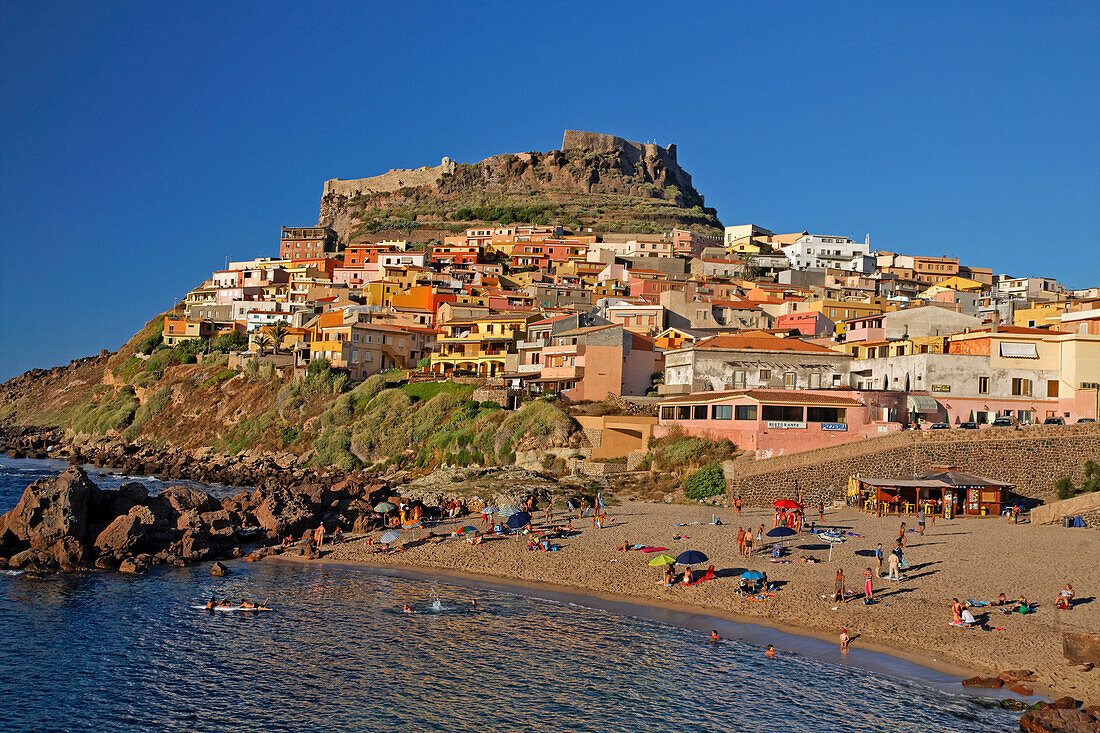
(573, 373)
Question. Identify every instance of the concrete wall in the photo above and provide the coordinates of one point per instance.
(1030, 458)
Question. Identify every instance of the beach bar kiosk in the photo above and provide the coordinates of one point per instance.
(941, 490)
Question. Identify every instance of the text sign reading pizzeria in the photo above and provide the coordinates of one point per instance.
(833, 426)
(785, 425)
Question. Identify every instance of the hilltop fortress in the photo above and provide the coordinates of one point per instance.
(632, 154)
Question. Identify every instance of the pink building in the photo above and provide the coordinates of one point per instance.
(810, 323)
(774, 422)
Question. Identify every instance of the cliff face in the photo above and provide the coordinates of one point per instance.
(594, 180)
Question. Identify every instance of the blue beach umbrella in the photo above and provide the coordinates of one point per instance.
(691, 557)
(389, 537)
(752, 575)
(385, 507)
(489, 510)
(519, 519)
(506, 511)
(781, 532)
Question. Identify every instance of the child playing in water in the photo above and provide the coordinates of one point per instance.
(844, 638)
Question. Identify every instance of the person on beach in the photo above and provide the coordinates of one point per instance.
(844, 638)
(920, 519)
(878, 561)
(714, 636)
(669, 576)
(956, 611)
(337, 536)
(770, 651)
(838, 586)
(319, 535)
(867, 595)
(759, 544)
(737, 505)
(549, 514)
(1002, 600)
(1065, 599)
(689, 576)
(821, 511)
(894, 565)
(749, 542)
(741, 541)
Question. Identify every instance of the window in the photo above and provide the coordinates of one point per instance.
(765, 374)
(699, 412)
(1021, 387)
(667, 413)
(788, 380)
(683, 412)
(745, 412)
(983, 385)
(827, 414)
(739, 379)
(783, 413)
(1052, 388)
(368, 357)
(815, 380)
(721, 412)
(355, 354)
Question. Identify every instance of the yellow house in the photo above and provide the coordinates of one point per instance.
(1041, 315)
(842, 310)
(956, 283)
(479, 346)
(744, 246)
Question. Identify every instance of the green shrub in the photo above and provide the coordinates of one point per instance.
(709, 480)
(109, 414)
(148, 409)
(150, 342)
(218, 378)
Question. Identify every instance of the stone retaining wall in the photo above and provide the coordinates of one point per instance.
(1054, 511)
(1031, 458)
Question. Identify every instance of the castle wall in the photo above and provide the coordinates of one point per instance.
(391, 181)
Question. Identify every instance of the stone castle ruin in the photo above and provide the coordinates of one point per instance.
(632, 154)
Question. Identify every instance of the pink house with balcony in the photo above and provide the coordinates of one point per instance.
(775, 422)
(592, 362)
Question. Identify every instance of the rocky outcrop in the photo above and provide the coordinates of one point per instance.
(68, 523)
(1062, 716)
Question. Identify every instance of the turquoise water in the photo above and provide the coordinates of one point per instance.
(107, 652)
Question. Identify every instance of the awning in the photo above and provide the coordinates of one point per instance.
(1018, 351)
(921, 403)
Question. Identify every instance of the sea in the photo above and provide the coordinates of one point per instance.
(109, 652)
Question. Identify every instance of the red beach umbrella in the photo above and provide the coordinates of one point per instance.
(786, 504)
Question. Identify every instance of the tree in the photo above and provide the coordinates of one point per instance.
(278, 332)
(262, 341)
(752, 267)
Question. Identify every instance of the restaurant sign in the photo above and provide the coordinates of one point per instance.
(833, 426)
(785, 425)
(941, 387)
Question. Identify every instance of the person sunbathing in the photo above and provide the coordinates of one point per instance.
(625, 546)
(1001, 601)
(689, 576)
(1065, 598)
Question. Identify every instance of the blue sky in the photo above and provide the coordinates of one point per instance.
(141, 143)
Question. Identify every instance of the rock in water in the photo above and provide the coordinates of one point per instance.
(52, 517)
(219, 570)
(125, 533)
(1059, 721)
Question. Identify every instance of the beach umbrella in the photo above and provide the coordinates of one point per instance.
(752, 575)
(662, 560)
(691, 557)
(468, 530)
(786, 504)
(389, 537)
(489, 510)
(506, 511)
(519, 519)
(781, 532)
(385, 507)
(833, 539)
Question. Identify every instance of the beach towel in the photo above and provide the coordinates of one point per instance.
(977, 604)
(962, 624)
(654, 549)
(779, 561)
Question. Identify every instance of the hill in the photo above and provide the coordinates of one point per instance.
(594, 181)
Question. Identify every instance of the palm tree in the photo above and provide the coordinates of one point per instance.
(262, 341)
(278, 333)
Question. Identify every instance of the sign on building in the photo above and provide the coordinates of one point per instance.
(941, 387)
(785, 425)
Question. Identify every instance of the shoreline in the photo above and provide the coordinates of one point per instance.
(914, 657)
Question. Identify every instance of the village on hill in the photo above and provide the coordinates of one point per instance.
(779, 342)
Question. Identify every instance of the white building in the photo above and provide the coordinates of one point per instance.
(817, 252)
(1033, 289)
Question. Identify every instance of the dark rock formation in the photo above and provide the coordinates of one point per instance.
(218, 570)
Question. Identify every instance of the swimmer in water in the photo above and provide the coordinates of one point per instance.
(211, 603)
(225, 604)
(473, 604)
(406, 608)
(714, 636)
(770, 652)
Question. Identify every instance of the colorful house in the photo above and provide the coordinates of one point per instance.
(480, 346)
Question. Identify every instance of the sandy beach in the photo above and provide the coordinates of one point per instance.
(968, 558)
